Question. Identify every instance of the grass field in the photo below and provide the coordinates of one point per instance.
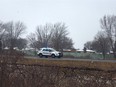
(87, 55)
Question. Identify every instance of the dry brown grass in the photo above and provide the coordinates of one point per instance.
(106, 66)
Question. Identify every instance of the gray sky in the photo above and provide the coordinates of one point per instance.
(81, 16)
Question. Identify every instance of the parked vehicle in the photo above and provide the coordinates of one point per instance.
(49, 52)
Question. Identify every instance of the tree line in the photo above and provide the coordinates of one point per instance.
(57, 36)
(105, 40)
(49, 35)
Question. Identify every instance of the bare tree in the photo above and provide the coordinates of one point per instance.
(88, 45)
(32, 39)
(60, 38)
(2, 34)
(14, 31)
(44, 34)
(21, 43)
(101, 43)
(67, 43)
(108, 23)
(2, 30)
(51, 35)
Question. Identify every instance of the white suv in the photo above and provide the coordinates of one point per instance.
(49, 52)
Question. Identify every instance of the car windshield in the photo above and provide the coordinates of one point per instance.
(52, 49)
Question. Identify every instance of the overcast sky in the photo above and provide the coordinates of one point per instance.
(81, 16)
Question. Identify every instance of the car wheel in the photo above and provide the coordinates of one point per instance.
(53, 56)
(46, 56)
(59, 56)
(40, 55)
